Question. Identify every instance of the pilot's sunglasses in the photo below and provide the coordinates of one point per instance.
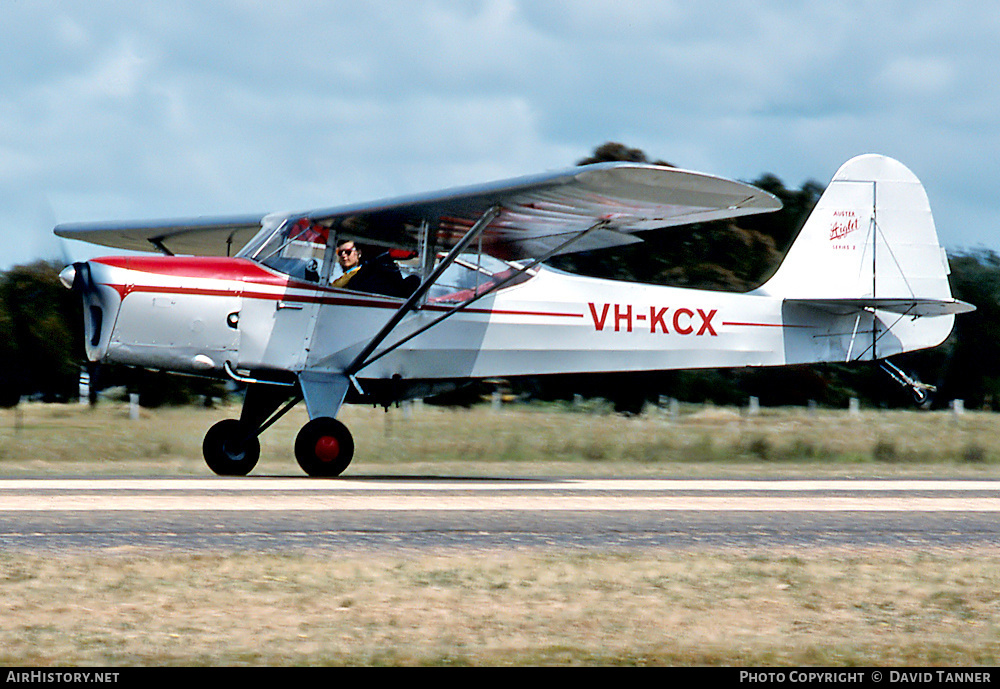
(345, 252)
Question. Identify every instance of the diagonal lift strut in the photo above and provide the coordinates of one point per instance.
(428, 282)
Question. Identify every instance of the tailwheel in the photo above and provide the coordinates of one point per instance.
(230, 448)
(324, 447)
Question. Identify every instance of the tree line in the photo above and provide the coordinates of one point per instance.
(41, 325)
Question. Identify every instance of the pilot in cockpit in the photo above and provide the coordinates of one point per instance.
(349, 258)
(378, 276)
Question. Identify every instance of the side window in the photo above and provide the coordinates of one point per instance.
(470, 275)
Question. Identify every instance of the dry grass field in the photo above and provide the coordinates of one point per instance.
(760, 607)
(521, 440)
(765, 608)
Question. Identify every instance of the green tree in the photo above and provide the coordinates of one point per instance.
(613, 151)
(41, 333)
(967, 365)
(732, 255)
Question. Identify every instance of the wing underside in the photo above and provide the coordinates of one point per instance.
(211, 236)
(537, 214)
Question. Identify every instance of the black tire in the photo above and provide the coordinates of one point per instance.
(324, 447)
(230, 449)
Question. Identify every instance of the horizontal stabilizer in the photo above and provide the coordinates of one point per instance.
(906, 307)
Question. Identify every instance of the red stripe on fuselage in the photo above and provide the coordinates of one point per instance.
(246, 273)
(208, 267)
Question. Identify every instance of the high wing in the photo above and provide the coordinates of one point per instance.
(536, 214)
(204, 236)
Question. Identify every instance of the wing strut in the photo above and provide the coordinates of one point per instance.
(160, 246)
(492, 288)
(428, 281)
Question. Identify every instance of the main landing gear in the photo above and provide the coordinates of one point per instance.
(323, 447)
(231, 448)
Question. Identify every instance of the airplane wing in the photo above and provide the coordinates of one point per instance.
(538, 213)
(205, 236)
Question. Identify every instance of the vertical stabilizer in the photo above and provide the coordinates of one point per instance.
(870, 237)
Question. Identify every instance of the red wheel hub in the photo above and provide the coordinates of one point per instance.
(327, 448)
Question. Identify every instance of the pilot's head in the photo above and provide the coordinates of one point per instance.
(348, 255)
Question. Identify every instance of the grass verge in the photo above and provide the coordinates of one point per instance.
(39, 439)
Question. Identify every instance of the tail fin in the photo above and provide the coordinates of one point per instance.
(870, 242)
(869, 255)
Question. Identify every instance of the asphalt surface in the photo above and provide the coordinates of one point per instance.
(384, 514)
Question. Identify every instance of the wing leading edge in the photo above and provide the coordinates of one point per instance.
(205, 236)
(538, 214)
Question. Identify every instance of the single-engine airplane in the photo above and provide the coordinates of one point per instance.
(250, 298)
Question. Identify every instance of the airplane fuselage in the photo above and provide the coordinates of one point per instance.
(202, 315)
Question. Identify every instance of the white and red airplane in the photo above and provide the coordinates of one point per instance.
(250, 298)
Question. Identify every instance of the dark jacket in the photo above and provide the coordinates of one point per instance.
(381, 275)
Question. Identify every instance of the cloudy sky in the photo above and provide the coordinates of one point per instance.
(114, 110)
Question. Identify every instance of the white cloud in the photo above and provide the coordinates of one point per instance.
(917, 76)
(135, 109)
(117, 76)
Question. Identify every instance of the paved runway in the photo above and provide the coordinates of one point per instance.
(385, 513)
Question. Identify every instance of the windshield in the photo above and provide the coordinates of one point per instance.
(295, 247)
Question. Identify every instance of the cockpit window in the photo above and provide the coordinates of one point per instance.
(294, 247)
(298, 248)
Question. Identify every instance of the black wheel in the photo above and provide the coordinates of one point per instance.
(230, 449)
(324, 447)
